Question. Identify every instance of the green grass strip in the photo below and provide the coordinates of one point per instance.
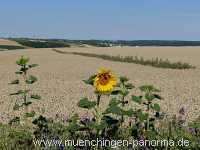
(155, 62)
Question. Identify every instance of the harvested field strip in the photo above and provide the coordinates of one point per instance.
(155, 62)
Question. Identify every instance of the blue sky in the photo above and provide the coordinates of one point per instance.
(101, 19)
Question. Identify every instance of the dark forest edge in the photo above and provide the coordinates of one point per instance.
(10, 47)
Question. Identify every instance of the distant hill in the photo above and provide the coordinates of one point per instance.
(108, 43)
(47, 43)
(41, 43)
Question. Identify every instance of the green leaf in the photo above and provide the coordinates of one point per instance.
(114, 110)
(74, 118)
(31, 114)
(109, 120)
(123, 79)
(36, 97)
(129, 112)
(124, 92)
(137, 99)
(14, 120)
(90, 81)
(157, 96)
(20, 92)
(73, 123)
(31, 79)
(160, 115)
(22, 61)
(33, 65)
(14, 94)
(41, 122)
(114, 102)
(18, 72)
(129, 86)
(195, 123)
(15, 82)
(85, 103)
(115, 92)
(16, 106)
(101, 126)
(27, 103)
(148, 88)
(151, 135)
(149, 96)
(142, 116)
(155, 107)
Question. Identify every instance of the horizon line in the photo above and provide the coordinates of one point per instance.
(50, 38)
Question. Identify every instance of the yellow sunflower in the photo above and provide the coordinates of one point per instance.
(105, 81)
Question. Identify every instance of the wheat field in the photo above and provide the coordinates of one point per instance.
(60, 78)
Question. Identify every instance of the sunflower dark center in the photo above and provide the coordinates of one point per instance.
(104, 78)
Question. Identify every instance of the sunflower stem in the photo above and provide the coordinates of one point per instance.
(98, 118)
(98, 99)
(123, 103)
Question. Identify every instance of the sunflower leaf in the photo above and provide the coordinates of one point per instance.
(30, 114)
(22, 61)
(16, 106)
(31, 79)
(85, 103)
(114, 102)
(90, 81)
(15, 82)
(158, 96)
(36, 97)
(123, 79)
(129, 112)
(149, 96)
(33, 65)
(114, 110)
(115, 92)
(109, 120)
(129, 86)
(20, 92)
(155, 107)
(142, 116)
(15, 120)
(148, 88)
(18, 72)
(137, 99)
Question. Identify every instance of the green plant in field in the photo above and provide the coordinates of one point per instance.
(127, 117)
(24, 80)
(119, 121)
(112, 121)
(104, 82)
(147, 102)
(173, 128)
(148, 113)
(15, 138)
(117, 105)
(108, 123)
(155, 62)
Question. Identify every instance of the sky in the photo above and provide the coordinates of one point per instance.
(101, 19)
